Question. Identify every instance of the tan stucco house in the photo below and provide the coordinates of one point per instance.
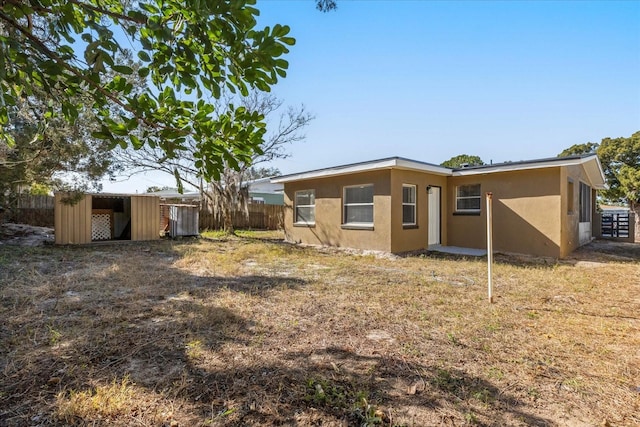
(540, 207)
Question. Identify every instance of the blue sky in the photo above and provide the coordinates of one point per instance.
(429, 80)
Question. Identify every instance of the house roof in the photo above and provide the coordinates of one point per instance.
(590, 163)
(380, 164)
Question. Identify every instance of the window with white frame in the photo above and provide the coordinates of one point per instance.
(468, 198)
(585, 203)
(305, 207)
(358, 205)
(408, 204)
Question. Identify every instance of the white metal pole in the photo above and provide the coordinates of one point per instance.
(490, 243)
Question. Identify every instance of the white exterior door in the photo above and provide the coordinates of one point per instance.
(433, 229)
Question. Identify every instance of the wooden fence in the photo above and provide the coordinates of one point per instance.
(32, 210)
(261, 217)
(39, 210)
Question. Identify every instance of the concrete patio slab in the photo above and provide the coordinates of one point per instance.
(456, 250)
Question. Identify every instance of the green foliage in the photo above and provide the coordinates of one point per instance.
(577, 149)
(462, 159)
(155, 188)
(323, 393)
(620, 158)
(326, 5)
(256, 172)
(187, 47)
(40, 189)
(45, 145)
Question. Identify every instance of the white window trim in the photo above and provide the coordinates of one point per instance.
(345, 204)
(414, 204)
(296, 206)
(479, 197)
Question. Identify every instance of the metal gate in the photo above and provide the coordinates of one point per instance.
(615, 225)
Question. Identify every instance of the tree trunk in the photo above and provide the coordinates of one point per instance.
(635, 208)
(227, 217)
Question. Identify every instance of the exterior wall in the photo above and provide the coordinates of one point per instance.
(415, 238)
(72, 222)
(145, 217)
(269, 198)
(328, 229)
(571, 218)
(525, 212)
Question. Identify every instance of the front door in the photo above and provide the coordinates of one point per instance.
(434, 215)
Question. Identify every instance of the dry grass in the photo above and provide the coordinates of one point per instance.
(244, 331)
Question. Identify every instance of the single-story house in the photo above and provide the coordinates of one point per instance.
(540, 207)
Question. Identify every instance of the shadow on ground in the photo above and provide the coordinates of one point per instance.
(75, 320)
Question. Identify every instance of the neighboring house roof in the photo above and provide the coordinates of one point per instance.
(173, 193)
(590, 162)
(264, 185)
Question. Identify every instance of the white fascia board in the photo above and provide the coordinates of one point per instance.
(423, 167)
(596, 174)
(392, 163)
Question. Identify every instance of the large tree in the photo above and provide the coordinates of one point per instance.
(49, 152)
(227, 193)
(462, 160)
(192, 50)
(620, 158)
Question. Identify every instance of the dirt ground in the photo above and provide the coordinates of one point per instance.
(25, 235)
(253, 331)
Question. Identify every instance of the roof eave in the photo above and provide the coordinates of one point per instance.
(389, 163)
(591, 165)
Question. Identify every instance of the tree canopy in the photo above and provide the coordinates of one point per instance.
(42, 152)
(462, 160)
(577, 149)
(620, 159)
(190, 50)
(227, 195)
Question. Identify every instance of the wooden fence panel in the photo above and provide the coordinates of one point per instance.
(32, 210)
(261, 217)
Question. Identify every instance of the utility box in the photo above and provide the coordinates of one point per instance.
(183, 220)
(106, 217)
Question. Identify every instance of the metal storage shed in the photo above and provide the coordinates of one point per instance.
(105, 217)
(180, 220)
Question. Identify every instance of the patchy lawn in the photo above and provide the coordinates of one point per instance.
(252, 331)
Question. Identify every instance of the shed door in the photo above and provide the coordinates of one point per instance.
(434, 216)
